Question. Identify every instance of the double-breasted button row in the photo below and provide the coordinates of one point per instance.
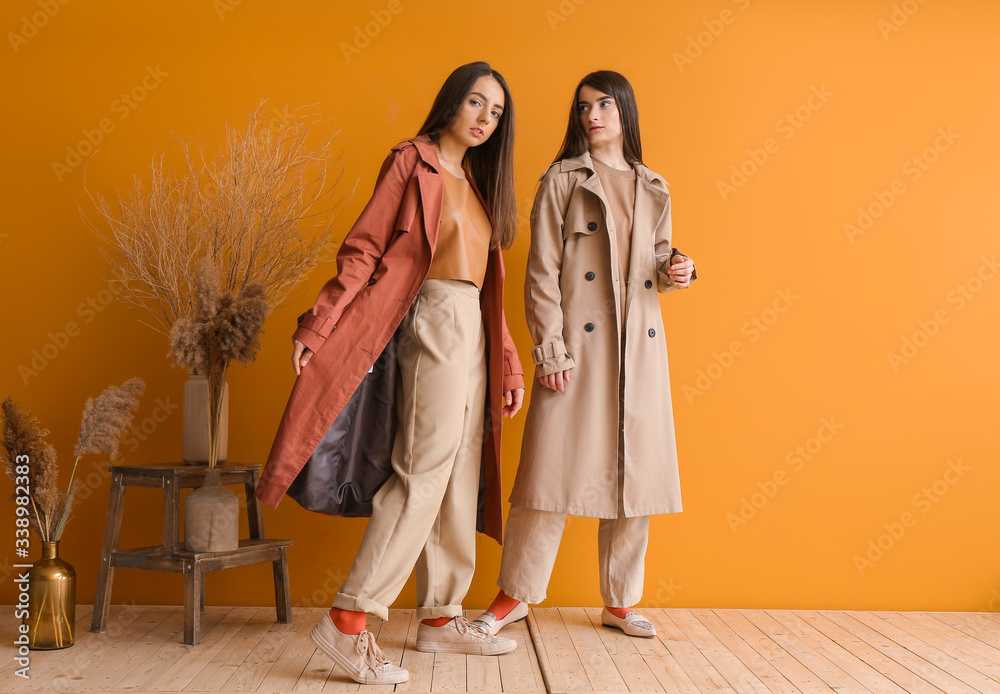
(589, 327)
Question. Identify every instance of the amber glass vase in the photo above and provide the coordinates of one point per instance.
(51, 601)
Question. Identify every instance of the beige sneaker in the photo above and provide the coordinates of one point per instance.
(359, 655)
(634, 623)
(462, 636)
(493, 625)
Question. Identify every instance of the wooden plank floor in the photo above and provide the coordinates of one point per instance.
(559, 650)
(771, 652)
(243, 649)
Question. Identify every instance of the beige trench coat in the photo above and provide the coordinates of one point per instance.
(569, 455)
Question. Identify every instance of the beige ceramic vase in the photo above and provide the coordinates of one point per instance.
(211, 517)
(196, 440)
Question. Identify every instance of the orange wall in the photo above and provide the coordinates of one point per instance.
(846, 100)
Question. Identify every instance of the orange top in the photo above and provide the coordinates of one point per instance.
(463, 244)
(619, 189)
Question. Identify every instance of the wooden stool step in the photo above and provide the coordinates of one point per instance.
(170, 556)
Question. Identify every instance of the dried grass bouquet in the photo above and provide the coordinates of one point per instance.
(210, 251)
(25, 450)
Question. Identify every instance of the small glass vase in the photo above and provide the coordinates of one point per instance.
(51, 601)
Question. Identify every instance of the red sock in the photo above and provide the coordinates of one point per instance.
(502, 605)
(437, 621)
(619, 612)
(348, 622)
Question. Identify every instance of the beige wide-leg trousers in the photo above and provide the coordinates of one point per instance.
(425, 514)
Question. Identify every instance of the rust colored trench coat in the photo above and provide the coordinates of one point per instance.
(381, 265)
(569, 456)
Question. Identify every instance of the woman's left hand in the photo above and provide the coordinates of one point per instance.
(681, 269)
(512, 401)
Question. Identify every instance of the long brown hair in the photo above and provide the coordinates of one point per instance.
(491, 164)
(614, 85)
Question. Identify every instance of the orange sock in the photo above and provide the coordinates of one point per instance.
(502, 605)
(437, 621)
(619, 612)
(348, 622)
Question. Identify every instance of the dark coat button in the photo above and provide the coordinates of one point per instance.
(652, 333)
(592, 226)
(299, 319)
(589, 327)
(649, 284)
(590, 276)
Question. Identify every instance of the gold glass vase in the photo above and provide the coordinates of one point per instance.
(51, 601)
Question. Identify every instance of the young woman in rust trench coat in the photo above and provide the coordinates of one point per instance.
(599, 434)
(416, 305)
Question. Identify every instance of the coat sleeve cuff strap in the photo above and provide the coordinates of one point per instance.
(320, 325)
(553, 350)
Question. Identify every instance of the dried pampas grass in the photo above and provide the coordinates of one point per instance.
(105, 419)
(224, 327)
(24, 444)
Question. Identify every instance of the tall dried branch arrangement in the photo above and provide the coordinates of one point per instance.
(263, 210)
(30, 461)
(224, 326)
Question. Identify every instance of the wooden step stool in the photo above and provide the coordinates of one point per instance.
(171, 555)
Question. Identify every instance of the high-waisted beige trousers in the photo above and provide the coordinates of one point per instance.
(425, 514)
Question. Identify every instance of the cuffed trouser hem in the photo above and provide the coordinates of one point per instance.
(348, 602)
(513, 592)
(440, 611)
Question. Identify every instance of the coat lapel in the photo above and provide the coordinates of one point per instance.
(593, 185)
(431, 200)
(650, 206)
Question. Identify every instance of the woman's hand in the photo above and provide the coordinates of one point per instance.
(555, 381)
(681, 268)
(512, 401)
(300, 356)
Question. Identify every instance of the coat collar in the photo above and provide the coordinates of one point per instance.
(431, 193)
(584, 161)
(425, 149)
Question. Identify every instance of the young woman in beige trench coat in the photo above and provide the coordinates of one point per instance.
(599, 434)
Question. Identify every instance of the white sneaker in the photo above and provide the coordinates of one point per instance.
(462, 636)
(359, 655)
(634, 623)
(490, 621)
